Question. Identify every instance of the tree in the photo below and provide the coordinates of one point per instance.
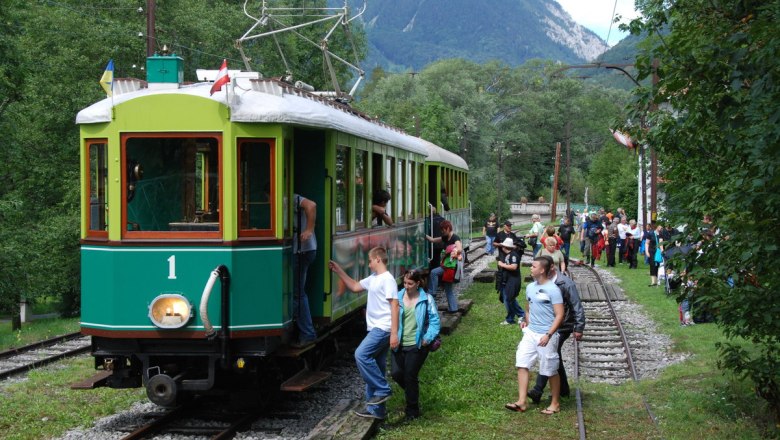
(718, 137)
(66, 47)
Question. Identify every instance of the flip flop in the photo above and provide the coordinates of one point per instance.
(549, 411)
(515, 407)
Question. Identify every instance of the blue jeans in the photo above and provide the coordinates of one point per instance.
(513, 309)
(371, 358)
(489, 244)
(565, 248)
(301, 311)
(433, 278)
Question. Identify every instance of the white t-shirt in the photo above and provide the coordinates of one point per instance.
(381, 289)
(622, 230)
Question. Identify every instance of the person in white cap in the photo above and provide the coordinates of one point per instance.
(508, 280)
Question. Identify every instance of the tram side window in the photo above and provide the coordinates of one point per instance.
(255, 187)
(389, 179)
(399, 189)
(342, 188)
(98, 181)
(172, 183)
(410, 181)
(360, 188)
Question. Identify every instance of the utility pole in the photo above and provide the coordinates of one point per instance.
(554, 206)
(150, 34)
(568, 170)
(653, 158)
(499, 178)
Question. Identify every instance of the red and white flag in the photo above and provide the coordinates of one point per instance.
(222, 78)
(622, 138)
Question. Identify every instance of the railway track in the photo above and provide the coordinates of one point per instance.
(604, 354)
(23, 359)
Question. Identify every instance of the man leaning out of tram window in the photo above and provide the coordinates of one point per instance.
(379, 208)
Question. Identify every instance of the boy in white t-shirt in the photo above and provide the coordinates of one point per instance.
(382, 324)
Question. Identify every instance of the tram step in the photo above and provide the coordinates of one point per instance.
(304, 380)
(96, 381)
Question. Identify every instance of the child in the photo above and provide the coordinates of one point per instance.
(382, 325)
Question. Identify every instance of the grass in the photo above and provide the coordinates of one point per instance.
(466, 383)
(464, 386)
(44, 406)
(36, 330)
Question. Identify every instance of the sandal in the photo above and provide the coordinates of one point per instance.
(549, 411)
(515, 407)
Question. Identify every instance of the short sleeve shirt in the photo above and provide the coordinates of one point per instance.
(491, 228)
(541, 298)
(311, 243)
(381, 289)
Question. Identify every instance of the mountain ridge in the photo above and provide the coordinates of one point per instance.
(409, 34)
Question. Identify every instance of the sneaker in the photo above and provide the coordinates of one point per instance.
(376, 400)
(366, 414)
(535, 396)
(505, 322)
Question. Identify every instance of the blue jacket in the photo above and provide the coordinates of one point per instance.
(426, 304)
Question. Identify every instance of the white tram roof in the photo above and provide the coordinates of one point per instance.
(439, 154)
(270, 101)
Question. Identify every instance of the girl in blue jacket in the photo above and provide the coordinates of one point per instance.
(418, 326)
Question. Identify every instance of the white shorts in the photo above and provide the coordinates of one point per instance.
(528, 350)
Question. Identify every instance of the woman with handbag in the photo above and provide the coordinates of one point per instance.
(653, 253)
(418, 333)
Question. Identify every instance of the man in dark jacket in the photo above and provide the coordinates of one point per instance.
(573, 321)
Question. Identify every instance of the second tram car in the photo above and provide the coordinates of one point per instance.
(182, 188)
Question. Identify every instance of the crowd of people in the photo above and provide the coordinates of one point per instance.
(405, 323)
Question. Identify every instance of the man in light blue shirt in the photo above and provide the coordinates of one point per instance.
(540, 336)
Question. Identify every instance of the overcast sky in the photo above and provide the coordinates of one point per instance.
(596, 15)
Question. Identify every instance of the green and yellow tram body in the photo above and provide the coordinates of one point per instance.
(180, 186)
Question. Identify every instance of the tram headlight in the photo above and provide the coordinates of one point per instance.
(170, 310)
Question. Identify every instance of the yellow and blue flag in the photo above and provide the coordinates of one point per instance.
(107, 80)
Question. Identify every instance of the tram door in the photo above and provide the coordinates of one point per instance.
(433, 188)
(309, 181)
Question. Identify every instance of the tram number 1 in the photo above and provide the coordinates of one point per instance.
(172, 267)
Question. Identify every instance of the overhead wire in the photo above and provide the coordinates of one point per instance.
(611, 21)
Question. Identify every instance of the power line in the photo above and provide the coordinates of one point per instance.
(611, 21)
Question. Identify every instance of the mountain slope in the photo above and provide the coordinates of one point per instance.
(406, 34)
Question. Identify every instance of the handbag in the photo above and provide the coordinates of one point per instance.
(532, 242)
(436, 343)
(658, 257)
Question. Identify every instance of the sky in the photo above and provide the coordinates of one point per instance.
(596, 16)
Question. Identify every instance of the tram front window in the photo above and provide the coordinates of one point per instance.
(178, 188)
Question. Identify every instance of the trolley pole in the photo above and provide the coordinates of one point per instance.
(150, 25)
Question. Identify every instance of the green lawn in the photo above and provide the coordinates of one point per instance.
(466, 383)
(464, 386)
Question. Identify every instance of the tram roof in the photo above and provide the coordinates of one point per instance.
(439, 154)
(269, 101)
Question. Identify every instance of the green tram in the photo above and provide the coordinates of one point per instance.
(181, 188)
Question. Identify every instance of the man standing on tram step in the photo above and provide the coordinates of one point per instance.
(540, 336)
(448, 237)
(304, 252)
(382, 311)
(573, 321)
